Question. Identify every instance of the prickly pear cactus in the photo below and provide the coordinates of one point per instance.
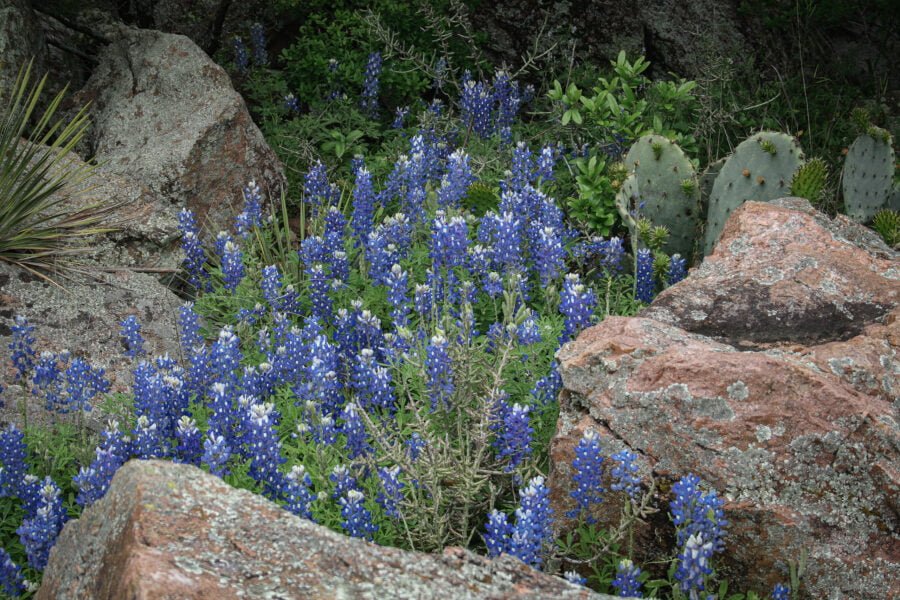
(706, 180)
(761, 169)
(893, 202)
(627, 198)
(810, 180)
(868, 175)
(668, 188)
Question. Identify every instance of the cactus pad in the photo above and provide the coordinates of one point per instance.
(668, 188)
(868, 175)
(761, 169)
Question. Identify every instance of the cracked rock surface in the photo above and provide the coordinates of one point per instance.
(803, 440)
(166, 531)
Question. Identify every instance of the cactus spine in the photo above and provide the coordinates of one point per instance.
(666, 182)
(868, 175)
(761, 169)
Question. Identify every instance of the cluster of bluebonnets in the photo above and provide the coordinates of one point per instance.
(396, 388)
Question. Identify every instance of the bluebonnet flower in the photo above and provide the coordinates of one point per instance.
(449, 240)
(626, 583)
(533, 530)
(357, 518)
(11, 581)
(549, 256)
(371, 382)
(695, 512)
(263, 445)
(476, 106)
(506, 95)
(48, 382)
(316, 189)
(343, 481)
(335, 226)
(38, 533)
(241, 57)
(216, 453)
(414, 446)
(83, 383)
(645, 287)
(398, 295)
(694, 564)
(194, 254)
(93, 481)
(528, 333)
(547, 387)
(354, 431)
(148, 443)
(251, 216)
(456, 180)
(189, 449)
(391, 493)
(523, 166)
(21, 345)
(613, 254)
(258, 39)
(588, 478)
(625, 474)
(363, 205)
(508, 244)
(439, 371)
(423, 300)
(369, 100)
(232, 266)
(498, 531)
(400, 117)
(313, 250)
(291, 103)
(514, 434)
(12, 461)
(545, 163)
(781, 592)
(319, 293)
(577, 303)
(131, 335)
(677, 269)
(297, 492)
(575, 578)
(339, 265)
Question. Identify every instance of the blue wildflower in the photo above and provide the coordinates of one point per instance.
(216, 453)
(514, 436)
(781, 592)
(21, 345)
(251, 216)
(439, 372)
(625, 474)
(626, 582)
(297, 492)
(577, 303)
(645, 287)
(12, 583)
(131, 335)
(497, 534)
(357, 518)
(241, 57)
(533, 530)
(391, 493)
(575, 578)
(588, 478)
(194, 254)
(232, 266)
(369, 100)
(677, 269)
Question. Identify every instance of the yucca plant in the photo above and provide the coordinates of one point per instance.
(36, 232)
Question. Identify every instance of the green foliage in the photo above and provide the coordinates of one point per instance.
(594, 207)
(35, 228)
(810, 181)
(887, 224)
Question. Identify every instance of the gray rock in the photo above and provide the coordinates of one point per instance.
(167, 531)
(20, 41)
(167, 116)
(83, 318)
